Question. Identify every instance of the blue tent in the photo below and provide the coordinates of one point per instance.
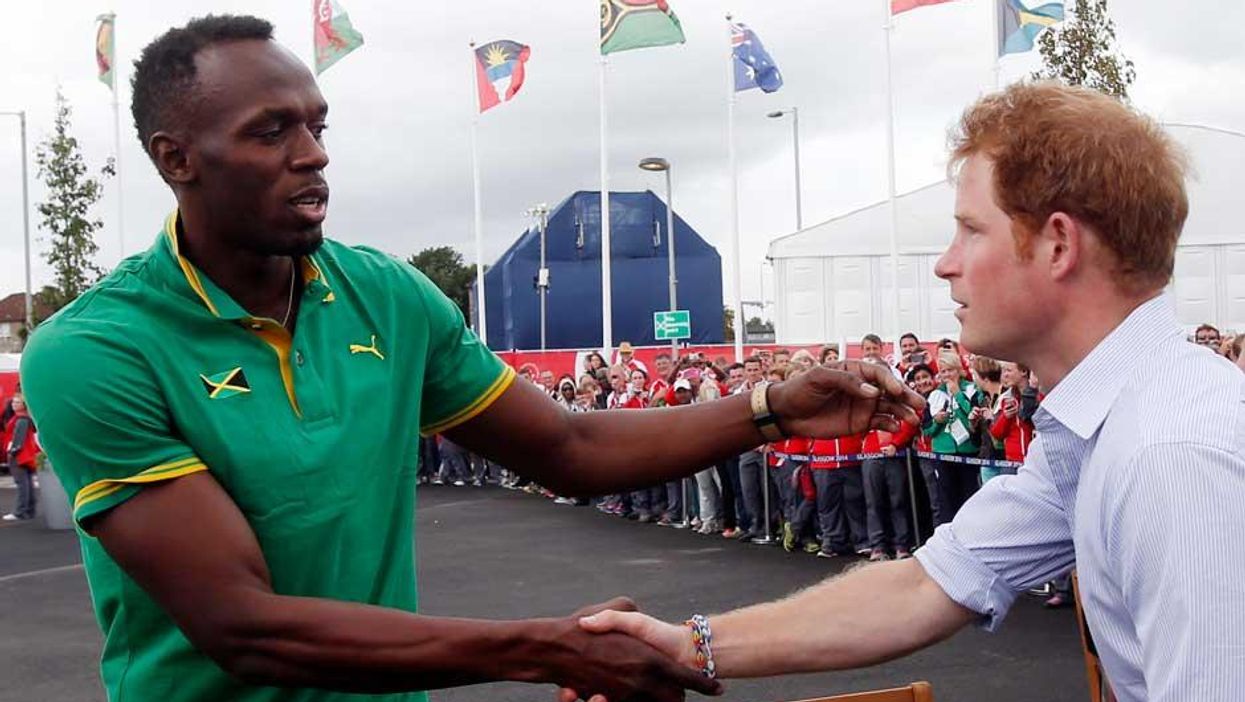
(573, 256)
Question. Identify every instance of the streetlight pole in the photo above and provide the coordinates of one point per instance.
(661, 164)
(795, 137)
(541, 211)
(21, 116)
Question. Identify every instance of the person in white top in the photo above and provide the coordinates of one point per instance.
(1068, 208)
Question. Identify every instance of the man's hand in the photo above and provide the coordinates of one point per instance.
(621, 666)
(889, 451)
(842, 399)
(672, 640)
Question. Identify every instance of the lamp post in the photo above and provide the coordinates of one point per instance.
(795, 133)
(541, 212)
(661, 165)
(21, 116)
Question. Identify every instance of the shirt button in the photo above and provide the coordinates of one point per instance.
(257, 325)
(298, 357)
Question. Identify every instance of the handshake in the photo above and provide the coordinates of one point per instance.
(615, 654)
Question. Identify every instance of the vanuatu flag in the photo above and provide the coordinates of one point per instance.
(499, 71)
(638, 24)
(334, 35)
(105, 56)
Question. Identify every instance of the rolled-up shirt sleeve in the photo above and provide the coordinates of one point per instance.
(1012, 535)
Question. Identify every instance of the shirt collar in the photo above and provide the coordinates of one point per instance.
(217, 301)
(1082, 400)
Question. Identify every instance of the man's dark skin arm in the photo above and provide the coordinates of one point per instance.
(189, 547)
(561, 450)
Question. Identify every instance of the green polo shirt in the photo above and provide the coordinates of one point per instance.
(155, 373)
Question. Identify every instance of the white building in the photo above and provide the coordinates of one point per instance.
(833, 280)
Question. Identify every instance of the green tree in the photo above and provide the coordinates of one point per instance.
(728, 324)
(1082, 51)
(444, 266)
(66, 213)
(756, 325)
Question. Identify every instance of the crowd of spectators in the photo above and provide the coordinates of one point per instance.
(860, 495)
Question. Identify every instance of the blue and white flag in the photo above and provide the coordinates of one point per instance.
(1019, 25)
(753, 66)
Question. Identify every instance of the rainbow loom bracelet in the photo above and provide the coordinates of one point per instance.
(702, 638)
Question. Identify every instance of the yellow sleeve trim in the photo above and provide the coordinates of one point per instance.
(100, 489)
(483, 402)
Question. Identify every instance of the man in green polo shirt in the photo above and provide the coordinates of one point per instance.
(235, 413)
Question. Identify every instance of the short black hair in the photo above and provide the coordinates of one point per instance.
(872, 338)
(164, 74)
(911, 377)
(909, 335)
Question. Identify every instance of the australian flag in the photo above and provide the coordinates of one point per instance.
(753, 66)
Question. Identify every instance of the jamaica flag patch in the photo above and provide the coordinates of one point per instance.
(226, 384)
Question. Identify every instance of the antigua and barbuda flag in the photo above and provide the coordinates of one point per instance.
(499, 71)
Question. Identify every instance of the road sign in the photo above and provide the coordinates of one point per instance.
(672, 325)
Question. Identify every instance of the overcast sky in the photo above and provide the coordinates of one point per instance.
(401, 109)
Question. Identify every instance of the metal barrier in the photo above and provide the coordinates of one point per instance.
(909, 457)
(769, 539)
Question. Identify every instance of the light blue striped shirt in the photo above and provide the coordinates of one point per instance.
(1137, 477)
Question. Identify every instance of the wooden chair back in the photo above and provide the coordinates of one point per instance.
(916, 692)
(1099, 687)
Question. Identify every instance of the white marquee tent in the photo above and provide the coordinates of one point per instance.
(833, 280)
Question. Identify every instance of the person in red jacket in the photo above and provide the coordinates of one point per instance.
(20, 451)
(886, 493)
(840, 496)
(1014, 430)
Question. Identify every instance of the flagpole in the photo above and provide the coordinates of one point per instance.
(890, 179)
(736, 275)
(997, 43)
(481, 310)
(607, 321)
(116, 123)
(116, 133)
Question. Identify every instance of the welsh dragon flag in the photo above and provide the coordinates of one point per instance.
(334, 35)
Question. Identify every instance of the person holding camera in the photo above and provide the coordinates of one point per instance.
(1009, 427)
(912, 354)
(987, 375)
(956, 408)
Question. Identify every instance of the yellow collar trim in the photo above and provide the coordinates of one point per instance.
(310, 269)
(188, 269)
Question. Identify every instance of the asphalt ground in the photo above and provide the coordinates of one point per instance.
(488, 552)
